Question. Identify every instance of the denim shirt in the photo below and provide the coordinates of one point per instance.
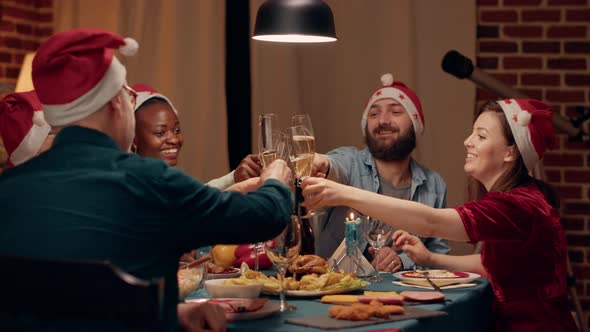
(357, 168)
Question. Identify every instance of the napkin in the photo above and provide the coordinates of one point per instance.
(342, 262)
(401, 283)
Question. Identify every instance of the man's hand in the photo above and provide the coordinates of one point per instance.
(245, 186)
(197, 317)
(320, 166)
(389, 261)
(249, 167)
(277, 170)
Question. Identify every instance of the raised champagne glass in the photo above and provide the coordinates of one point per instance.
(377, 234)
(285, 251)
(301, 155)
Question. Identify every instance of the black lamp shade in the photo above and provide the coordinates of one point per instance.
(298, 21)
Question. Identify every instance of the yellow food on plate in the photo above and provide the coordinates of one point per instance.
(388, 294)
(311, 282)
(339, 299)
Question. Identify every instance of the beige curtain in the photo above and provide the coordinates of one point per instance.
(333, 81)
(181, 54)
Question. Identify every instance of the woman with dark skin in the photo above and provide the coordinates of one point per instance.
(158, 135)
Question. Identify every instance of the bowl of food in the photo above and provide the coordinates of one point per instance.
(228, 288)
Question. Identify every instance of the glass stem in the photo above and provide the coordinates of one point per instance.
(256, 246)
(377, 260)
(282, 272)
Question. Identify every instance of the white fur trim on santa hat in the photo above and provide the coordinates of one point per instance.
(519, 119)
(387, 79)
(130, 48)
(38, 118)
(91, 101)
(403, 99)
(143, 96)
(31, 143)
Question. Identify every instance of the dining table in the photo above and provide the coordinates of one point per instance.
(467, 309)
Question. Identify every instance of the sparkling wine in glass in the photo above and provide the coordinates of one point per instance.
(302, 151)
(377, 234)
(285, 251)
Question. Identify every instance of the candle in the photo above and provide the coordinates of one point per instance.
(350, 235)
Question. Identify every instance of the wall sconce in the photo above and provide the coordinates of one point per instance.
(295, 21)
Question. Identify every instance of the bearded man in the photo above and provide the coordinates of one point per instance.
(391, 121)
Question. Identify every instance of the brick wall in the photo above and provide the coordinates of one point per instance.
(542, 48)
(24, 24)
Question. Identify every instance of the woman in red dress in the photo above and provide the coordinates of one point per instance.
(515, 217)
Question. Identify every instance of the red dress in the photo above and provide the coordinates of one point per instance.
(524, 252)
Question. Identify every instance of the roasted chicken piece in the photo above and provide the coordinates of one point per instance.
(308, 264)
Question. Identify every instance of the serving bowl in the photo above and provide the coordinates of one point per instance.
(218, 289)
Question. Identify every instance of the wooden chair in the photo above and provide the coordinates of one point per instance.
(66, 295)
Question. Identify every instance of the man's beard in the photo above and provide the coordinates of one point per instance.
(397, 150)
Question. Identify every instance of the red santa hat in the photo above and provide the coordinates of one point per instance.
(531, 124)
(145, 93)
(22, 126)
(401, 93)
(75, 73)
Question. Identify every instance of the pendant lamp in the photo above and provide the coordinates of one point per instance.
(295, 21)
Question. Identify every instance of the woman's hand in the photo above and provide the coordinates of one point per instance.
(319, 192)
(413, 247)
(197, 317)
(249, 167)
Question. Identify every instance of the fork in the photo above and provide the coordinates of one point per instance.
(435, 286)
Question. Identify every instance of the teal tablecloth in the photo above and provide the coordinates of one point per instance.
(468, 310)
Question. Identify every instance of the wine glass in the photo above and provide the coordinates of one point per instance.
(272, 145)
(377, 234)
(285, 251)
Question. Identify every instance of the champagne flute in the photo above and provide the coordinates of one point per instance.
(301, 155)
(303, 120)
(377, 234)
(285, 251)
(268, 136)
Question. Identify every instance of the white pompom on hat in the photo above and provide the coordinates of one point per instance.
(531, 124)
(145, 93)
(22, 126)
(398, 91)
(75, 73)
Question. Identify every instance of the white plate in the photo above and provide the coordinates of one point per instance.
(234, 274)
(268, 309)
(438, 281)
(308, 293)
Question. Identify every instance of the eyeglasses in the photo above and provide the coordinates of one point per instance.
(133, 94)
